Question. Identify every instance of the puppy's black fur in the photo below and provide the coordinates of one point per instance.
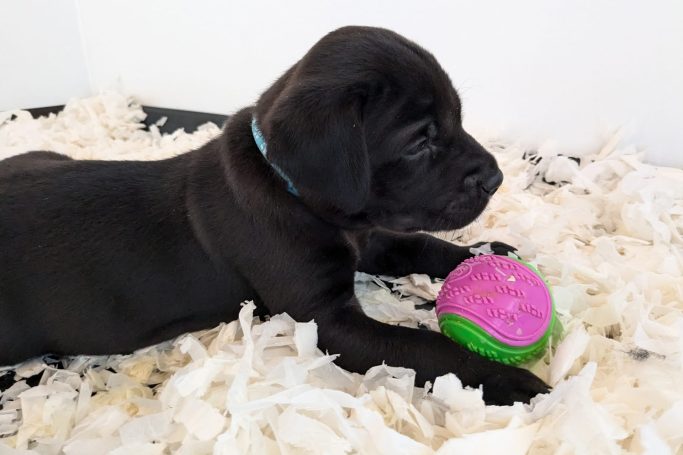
(101, 257)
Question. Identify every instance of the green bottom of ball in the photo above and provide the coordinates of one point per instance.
(476, 339)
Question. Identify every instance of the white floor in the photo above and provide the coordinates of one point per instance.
(610, 241)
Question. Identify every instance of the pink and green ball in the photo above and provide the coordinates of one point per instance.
(499, 307)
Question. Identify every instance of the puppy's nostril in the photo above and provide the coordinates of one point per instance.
(493, 182)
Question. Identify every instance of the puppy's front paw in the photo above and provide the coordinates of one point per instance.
(498, 248)
(506, 385)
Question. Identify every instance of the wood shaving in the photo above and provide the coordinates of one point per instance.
(608, 235)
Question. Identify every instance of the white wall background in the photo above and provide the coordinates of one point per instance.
(529, 69)
(41, 56)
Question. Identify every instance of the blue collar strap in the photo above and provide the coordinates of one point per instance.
(261, 144)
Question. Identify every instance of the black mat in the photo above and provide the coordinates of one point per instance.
(176, 118)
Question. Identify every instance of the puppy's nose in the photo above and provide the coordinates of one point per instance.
(493, 182)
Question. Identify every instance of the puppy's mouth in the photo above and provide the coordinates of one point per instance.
(427, 220)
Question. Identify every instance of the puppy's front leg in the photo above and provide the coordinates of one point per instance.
(317, 283)
(363, 342)
(402, 254)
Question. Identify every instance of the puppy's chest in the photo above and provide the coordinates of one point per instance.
(356, 241)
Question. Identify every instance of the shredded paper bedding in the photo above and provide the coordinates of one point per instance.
(606, 230)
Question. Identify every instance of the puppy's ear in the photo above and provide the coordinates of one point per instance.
(317, 138)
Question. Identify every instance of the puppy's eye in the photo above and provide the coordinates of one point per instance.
(431, 131)
(417, 149)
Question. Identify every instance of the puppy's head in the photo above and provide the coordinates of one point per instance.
(368, 127)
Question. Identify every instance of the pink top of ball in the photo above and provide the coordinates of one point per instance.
(500, 295)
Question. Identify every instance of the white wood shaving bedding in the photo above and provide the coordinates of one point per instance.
(610, 242)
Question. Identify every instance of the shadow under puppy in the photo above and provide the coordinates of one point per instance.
(362, 146)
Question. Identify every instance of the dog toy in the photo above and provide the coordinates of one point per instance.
(497, 306)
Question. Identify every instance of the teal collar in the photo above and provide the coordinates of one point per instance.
(261, 144)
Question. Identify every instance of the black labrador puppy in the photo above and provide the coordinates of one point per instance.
(351, 151)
